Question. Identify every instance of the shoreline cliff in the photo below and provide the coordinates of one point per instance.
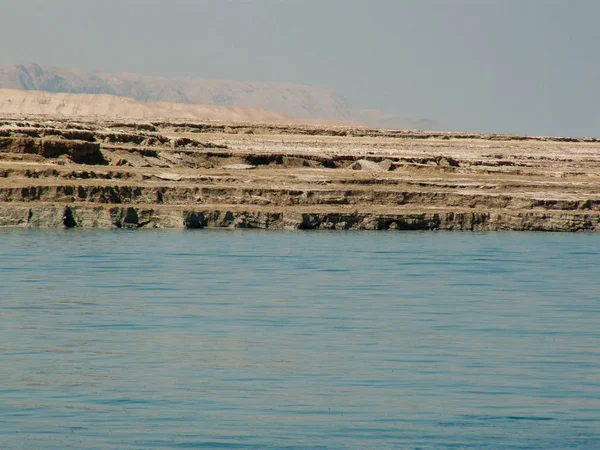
(108, 173)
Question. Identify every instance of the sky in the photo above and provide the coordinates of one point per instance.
(508, 66)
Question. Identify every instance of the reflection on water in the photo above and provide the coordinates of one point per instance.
(299, 340)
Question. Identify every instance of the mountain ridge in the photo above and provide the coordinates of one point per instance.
(293, 100)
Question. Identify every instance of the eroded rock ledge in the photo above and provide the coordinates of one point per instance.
(109, 174)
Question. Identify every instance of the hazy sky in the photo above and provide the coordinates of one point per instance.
(522, 66)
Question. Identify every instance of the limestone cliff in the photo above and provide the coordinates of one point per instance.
(185, 174)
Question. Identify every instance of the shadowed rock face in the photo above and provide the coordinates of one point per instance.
(79, 152)
(293, 100)
(128, 174)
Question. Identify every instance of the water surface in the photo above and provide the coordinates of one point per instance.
(332, 340)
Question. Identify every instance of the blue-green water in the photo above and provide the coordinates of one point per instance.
(164, 339)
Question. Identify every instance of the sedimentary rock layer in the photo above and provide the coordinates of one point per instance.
(109, 174)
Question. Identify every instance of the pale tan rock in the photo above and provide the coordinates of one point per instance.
(169, 176)
(364, 164)
(238, 167)
(440, 181)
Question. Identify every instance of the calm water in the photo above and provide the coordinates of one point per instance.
(227, 339)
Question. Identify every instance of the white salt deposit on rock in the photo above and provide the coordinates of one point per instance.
(169, 176)
(238, 167)
(364, 164)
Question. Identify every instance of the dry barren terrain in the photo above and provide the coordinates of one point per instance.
(191, 174)
(290, 100)
(13, 101)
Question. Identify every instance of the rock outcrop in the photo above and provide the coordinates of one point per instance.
(80, 152)
(179, 174)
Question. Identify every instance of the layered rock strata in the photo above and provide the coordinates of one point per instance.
(169, 174)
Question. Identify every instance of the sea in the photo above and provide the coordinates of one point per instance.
(248, 339)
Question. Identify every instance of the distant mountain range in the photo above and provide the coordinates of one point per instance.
(293, 100)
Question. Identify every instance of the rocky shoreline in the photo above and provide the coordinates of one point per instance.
(104, 173)
(86, 216)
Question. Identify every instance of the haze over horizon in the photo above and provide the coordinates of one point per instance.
(525, 67)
